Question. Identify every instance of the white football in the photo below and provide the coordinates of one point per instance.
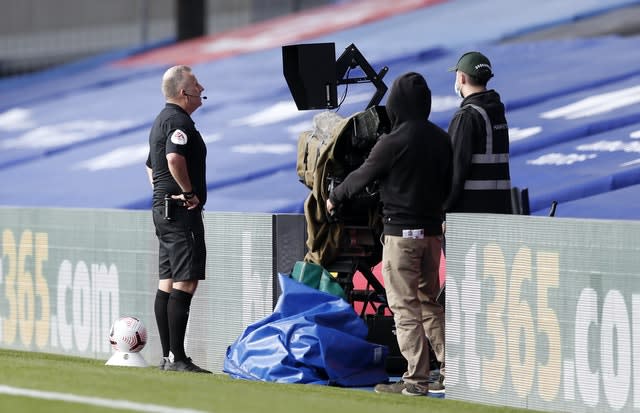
(128, 334)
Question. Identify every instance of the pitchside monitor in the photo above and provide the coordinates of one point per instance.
(310, 72)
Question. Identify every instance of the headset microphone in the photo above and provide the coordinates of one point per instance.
(196, 96)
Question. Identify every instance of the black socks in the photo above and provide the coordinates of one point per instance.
(162, 320)
(178, 316)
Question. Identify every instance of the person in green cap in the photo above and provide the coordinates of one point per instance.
(480, 138)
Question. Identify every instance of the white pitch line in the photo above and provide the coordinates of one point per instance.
(94, 401)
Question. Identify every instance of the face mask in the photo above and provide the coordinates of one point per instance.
(456, 88)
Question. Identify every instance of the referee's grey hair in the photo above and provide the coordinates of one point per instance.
(173, 79)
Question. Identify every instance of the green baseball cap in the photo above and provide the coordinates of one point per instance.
(475, 64)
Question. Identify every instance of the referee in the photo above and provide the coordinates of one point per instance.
(176, 169)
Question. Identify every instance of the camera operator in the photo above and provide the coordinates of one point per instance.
(176, 169)
(413, 164)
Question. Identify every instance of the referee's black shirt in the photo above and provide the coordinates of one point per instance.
(174, 131)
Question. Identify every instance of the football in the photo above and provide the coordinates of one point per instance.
(128, 334)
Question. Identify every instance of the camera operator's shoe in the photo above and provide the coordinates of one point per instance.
(164, 363)
(396, 387)
(186, 365)
(437, 386)
(411, 389)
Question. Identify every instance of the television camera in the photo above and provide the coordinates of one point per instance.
(348, 242)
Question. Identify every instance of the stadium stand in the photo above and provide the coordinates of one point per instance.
(76, 136)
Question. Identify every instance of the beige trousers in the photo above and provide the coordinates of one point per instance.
(411, 277)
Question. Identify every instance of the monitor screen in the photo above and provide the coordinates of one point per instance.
(310, 72)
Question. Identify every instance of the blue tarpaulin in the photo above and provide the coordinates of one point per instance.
(311, 337)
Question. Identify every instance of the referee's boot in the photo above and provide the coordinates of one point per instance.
(186, 365)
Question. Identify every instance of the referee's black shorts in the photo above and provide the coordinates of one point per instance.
(182, 253)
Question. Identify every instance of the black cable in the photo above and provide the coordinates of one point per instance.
(344, 95)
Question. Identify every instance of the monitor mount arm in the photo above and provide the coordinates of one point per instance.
(352, 58)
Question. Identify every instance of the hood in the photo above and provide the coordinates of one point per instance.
(409, 99)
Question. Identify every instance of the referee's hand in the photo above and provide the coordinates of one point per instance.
(189, 203)
(192, 202)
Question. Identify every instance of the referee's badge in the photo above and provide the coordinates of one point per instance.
(179, 137)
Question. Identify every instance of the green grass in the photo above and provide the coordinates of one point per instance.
(215, 393)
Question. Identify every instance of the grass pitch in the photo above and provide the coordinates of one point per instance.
(99, 388)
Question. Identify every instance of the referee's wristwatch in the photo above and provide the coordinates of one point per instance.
(188, 195)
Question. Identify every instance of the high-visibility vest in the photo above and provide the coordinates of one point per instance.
(487, 187)
(496, 177)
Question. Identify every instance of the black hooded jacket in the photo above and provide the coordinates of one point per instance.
(413, 163)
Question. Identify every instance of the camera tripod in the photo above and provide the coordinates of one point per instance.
(359, 253)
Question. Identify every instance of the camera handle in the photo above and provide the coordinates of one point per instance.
(352, 58)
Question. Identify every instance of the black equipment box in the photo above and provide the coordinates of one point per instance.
(382, 330)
